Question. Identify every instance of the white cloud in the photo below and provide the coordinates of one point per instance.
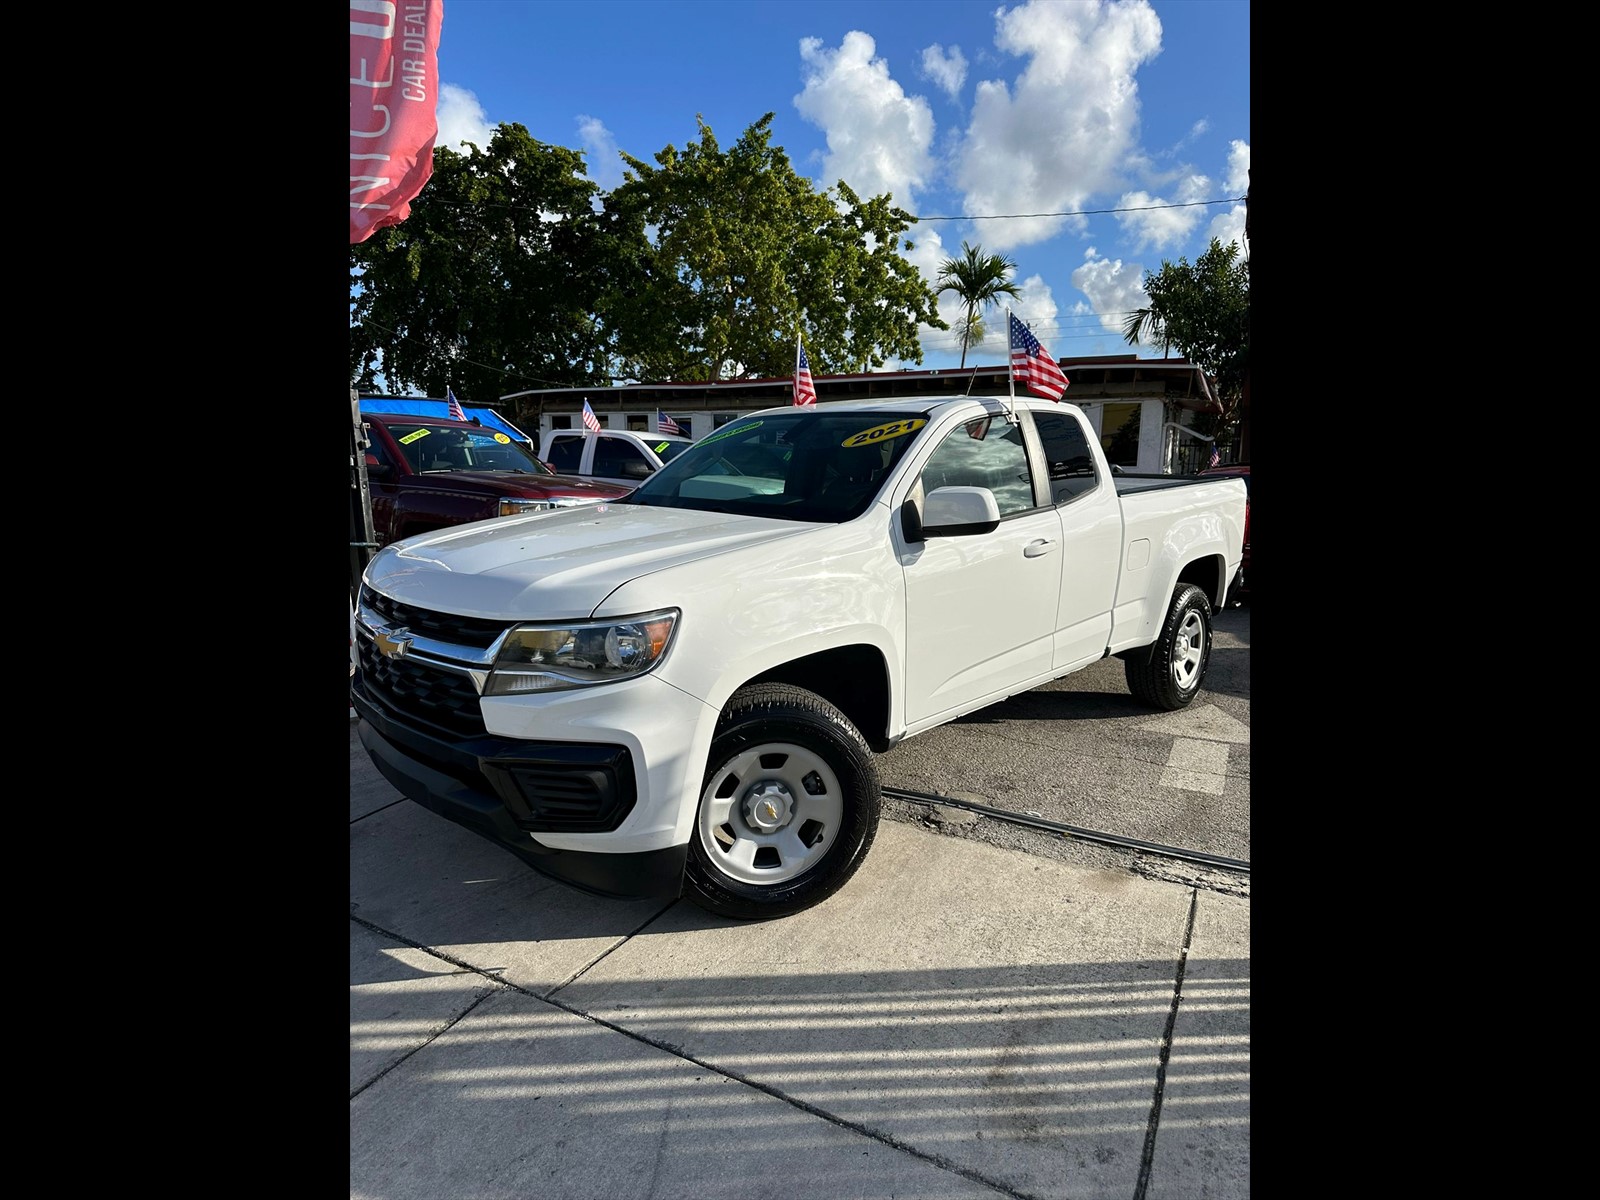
(1069, 128)
(1113, 289)
(878, 137)
(949, 71)
(1036, 308)
(1159, 227)
(1228, 227)
(1238, 180)
(461, 120)
(600, 154)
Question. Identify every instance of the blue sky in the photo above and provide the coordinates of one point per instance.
(956, 108)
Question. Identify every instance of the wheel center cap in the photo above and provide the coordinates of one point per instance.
(767, 807)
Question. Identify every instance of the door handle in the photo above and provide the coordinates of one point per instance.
(1035, 549)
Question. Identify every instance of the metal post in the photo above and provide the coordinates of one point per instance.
(363, 541)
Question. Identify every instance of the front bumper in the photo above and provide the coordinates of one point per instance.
(514, 792)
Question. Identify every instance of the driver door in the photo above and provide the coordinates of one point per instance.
(981, 607)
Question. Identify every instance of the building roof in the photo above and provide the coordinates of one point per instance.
(1100, 379)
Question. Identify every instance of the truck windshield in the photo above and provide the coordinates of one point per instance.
(802, 466)
(442, 447)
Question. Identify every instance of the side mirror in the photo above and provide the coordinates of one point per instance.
(636, 470)
(377, 470)
(957, 511)
(911, 521)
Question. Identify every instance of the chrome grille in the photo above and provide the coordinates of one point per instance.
(446, 627)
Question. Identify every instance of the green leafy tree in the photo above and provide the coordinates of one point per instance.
(1202, 311)
(979, 280)
(728, 255)
(492, 283)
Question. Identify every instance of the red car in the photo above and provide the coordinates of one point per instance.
(426, 473)
(1241, 471)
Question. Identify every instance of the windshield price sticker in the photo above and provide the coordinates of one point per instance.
(413, 436)
(882, 433)
(661, 449)
(502, 439)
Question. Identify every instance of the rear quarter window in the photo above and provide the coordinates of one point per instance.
(566, 454)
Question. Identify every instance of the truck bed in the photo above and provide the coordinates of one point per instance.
(1128, 484)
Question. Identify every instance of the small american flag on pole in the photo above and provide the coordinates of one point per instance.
(1216, 455)
(805, 392)
(665, 424)
(1032, 364)
(589, 419)
(456, 413)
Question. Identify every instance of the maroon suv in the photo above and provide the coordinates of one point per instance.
(425, 473)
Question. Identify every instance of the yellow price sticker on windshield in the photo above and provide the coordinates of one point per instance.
(661, 449)
(880, 433)
(502, 439)
(413, 436)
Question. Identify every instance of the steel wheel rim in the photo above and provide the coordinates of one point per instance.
(1188, 648)
(784, 785)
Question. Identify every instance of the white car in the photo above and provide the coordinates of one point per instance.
(620, 456)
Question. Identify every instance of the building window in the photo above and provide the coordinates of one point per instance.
(1119, 434)
(637, 422)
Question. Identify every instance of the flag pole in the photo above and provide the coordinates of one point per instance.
(1011, 379)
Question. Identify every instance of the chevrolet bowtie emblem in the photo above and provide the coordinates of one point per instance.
(392, 645)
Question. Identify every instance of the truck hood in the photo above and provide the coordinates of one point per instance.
(509, 483)
(557, 565)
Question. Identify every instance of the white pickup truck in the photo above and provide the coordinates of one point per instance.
(621, 456)
(681, 692)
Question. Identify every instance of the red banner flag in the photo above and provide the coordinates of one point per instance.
(394, 114)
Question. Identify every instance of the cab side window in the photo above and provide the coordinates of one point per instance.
(611, 454)
(377, 453)
(566, 453)
(1066, 449)
(984, 453)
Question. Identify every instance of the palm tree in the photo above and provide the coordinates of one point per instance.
(1142, 321)
(980, 280)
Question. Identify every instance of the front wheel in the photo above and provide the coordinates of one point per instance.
(1168, 673)
(788, 807)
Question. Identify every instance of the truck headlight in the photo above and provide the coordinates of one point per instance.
(542, 658)
(512, 506)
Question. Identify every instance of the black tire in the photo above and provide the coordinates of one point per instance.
(788, 806)
(1168, 674)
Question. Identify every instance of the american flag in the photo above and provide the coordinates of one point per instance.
(589, 419)
(1216, 455)
(456, 414)
(1032, 364)
(805, 392)
(665, 424)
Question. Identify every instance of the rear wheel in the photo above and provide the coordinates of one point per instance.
(788, 807)
(1168, 673)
